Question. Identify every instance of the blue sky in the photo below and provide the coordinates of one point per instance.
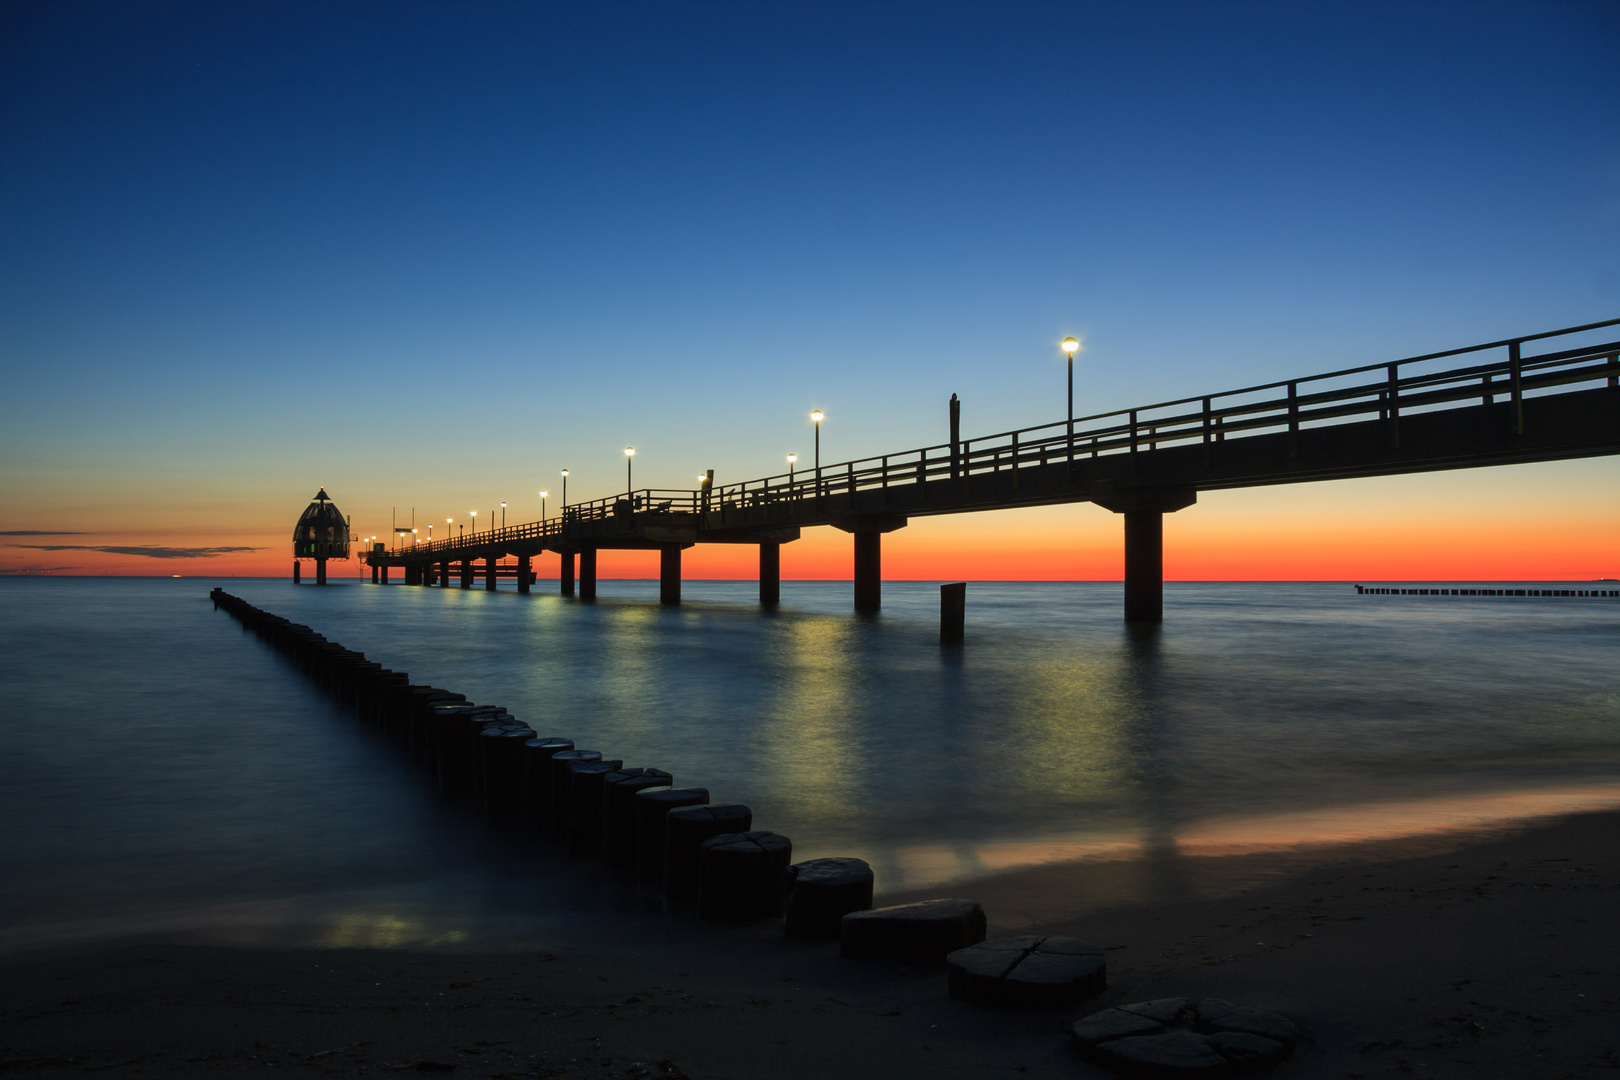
(425, 251)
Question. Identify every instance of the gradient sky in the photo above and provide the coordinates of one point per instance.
(428, 255)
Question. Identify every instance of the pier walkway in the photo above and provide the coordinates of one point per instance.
(1537, 398)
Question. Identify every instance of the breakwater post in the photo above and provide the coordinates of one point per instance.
(952, 613)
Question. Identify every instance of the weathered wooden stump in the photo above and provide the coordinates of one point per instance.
(559, 784)
(619, 810)
(537, 754)
(585, 784)
(1028, 972)
(1174, 1053)
(504, 793)
(651, 809)
(685, 829)
(740, 875)
(820, 892)
(922, 933)
(1170, 1037)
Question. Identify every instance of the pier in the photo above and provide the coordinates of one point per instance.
(1526, 399)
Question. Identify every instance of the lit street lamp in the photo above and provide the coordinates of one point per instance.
(475, 522)
(1070, 347)
(565, 492)
(816, 416)
(503, 515)
(543, 495)
(792, 458)
(629, 459)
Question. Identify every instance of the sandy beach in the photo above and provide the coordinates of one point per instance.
(1462, 956)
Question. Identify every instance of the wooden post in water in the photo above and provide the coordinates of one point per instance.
(298, 572)
(489, 571)
(523, 573)
(952, 612)
(565, 573)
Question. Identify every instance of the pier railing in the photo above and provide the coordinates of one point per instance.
(1385, 392)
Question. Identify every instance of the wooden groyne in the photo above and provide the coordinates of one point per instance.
(1370, 590)
(633, 816)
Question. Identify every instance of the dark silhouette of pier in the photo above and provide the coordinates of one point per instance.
(1499, 403)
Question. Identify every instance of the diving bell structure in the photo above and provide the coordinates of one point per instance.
(322, 533)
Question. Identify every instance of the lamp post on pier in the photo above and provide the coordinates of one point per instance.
(629, 460)
(792, 458)
(1070, 347)
(543, 495)
(816, 417)
(475, 522)
(503, 515)
(565, 493)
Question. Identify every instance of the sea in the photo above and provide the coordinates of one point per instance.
(167, 772)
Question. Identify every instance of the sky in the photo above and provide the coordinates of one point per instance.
(430, 254)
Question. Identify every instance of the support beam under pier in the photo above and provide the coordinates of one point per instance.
(669, 573)
(868, 530)
(587, 573)
(868, 570)
(523, 573)
(298, 573)
(444, 574)
(1144, 566)
(489, 573)
(1144, 510)
(320, 572)
(770, 572)
(466, 573)
(565, 574)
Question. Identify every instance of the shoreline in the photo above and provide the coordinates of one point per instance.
(1478, 955)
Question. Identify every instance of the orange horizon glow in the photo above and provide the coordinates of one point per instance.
(1555, 522)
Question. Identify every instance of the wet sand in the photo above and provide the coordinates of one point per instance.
(1450, 957)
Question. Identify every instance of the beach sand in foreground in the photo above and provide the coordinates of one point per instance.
(1480, 957)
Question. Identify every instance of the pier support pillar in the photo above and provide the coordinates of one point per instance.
(565, 573)
(587, 573)
(770, 572)
(523, 573)
(868, 530)
(868, 570)
(374, 575)
(298, 573)
(669, 573)
(489, 573)
(466, 573)
(320, 571)
(444, 574)
(1144, 566)
(1144, 510)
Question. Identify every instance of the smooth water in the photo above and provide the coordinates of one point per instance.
(165, 768)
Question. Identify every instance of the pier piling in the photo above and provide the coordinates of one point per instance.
(669, 573)
(770, 572)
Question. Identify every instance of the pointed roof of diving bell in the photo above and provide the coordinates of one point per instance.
(322, 497)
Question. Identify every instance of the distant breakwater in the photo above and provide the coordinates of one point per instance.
(1368, 590)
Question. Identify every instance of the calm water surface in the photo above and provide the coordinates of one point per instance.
(164, 769)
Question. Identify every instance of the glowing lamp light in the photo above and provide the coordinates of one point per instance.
(1071, 345)
(629, 451)
(792, 458)
(816, 416)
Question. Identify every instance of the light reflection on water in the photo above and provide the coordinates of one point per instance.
(165, 762)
